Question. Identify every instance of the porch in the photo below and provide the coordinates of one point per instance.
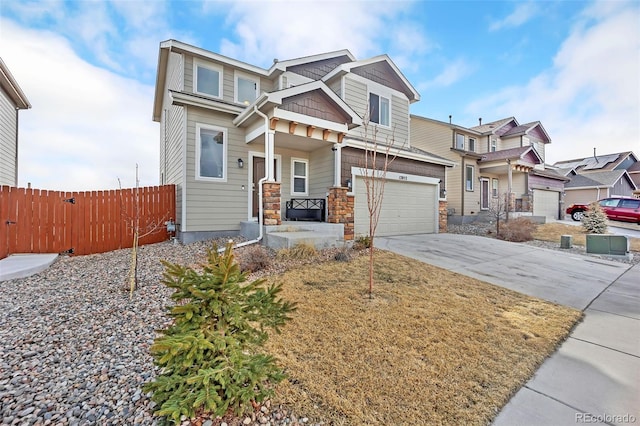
(290, 233)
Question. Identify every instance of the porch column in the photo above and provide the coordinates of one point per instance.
(270, 155)
(509, 187)
(337, 165)
(340, 210)
(442, 216)
(271, 203)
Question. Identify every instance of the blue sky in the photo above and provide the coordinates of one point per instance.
(88, 68)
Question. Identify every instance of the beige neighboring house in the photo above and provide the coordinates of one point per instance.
(600, 176)
(494, 159)
(12, 100)
(246, 145)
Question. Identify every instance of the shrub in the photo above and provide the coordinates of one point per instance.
(343, 254)
(254, 258)
(299, 251)
(517, 230)
(594, 220)
(208, 358)
(362, 242)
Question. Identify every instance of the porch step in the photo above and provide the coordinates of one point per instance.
(288, 239)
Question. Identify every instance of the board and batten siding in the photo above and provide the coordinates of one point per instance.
(212, 205)
(8, 140)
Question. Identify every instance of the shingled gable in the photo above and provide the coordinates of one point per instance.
(498, 127)
(313, 99)
(379, 69)
(522, 153)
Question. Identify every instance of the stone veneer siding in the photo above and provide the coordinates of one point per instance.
(442, 216)
(271, 203)
(340, 210)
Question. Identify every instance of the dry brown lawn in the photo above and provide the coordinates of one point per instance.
(431, 347)
(553, 231)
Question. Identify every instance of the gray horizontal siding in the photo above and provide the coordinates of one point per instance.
(8, 121)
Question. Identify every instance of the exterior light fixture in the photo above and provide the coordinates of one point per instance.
(240, 163)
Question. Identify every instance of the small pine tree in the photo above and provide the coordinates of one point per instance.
(209, 356)
(595, 219)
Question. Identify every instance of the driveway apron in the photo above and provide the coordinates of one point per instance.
(594, 377)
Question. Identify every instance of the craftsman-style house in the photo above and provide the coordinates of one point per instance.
(248, 146)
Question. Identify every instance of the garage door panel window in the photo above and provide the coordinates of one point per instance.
(299, 177)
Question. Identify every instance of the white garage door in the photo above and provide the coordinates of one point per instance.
(407, 208)
(545, 203)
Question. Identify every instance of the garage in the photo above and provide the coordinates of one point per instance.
(546, 203)
(409, 206)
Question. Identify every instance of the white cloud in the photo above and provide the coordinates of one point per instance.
(523, 13)
(452, 73)
(591, 96)
(87, 126)
(265, 30)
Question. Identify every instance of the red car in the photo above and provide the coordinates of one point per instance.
(616, 208)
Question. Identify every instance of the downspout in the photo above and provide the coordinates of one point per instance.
(260, 182)
(15, 183)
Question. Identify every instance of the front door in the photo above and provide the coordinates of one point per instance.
(259, 172)
(484, 194)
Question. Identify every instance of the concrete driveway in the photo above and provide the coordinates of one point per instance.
(594, 377)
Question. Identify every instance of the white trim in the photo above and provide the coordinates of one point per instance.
(183, 219)
(353, 143)
(404, 177)
(241, 75)
(308, 120)
(254, 134)
(485, 179)
(181, 99)
(211, 67)
(225, 145)
(293, 176)
(377, 87)
(390, 108)
(252, 155)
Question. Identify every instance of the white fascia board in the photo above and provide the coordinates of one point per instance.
(575, 188)
(254, 134)
(161, 79)
(382, 148)
(179, 98)
(308, 120)
(282, 65)
(178, 45)
(248, 111)
(9, 83)
(403, 177)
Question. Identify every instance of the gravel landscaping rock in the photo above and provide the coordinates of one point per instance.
(74, 349)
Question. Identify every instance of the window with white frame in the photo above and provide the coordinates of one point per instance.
(469, 173)
(494, 145)
(379, 109)
(299, 176)
(494, 187)
(211, 153)
(459, 141)
(472, 145)
(246, 90)
(207, 79)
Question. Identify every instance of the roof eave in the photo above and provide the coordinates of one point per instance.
(10, 85)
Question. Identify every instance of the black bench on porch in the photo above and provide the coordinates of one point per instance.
(305, 209)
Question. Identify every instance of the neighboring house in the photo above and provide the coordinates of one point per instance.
(238, 140)
(495, 159)
(600, 176)
(12, 100)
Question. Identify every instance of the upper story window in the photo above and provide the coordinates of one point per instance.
(472, 145)
(211, 153)
(207, 79)
(459, 141)
(379, 109)
(494, 145)
(247, 89)
(299, 177)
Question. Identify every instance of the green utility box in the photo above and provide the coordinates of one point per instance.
(617, 245)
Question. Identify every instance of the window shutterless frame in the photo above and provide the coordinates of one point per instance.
(211, 153)
(299, 176)
(246, 88)
(468, 178)
(207, 79)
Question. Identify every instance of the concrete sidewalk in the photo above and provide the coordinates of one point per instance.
(594, 377)
(23, 265)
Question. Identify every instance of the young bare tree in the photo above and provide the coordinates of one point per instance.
(139, 230)
(498, 209)
(377, 158)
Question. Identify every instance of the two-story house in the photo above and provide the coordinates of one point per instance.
(244, 144)
(12, 100)
(500, 164)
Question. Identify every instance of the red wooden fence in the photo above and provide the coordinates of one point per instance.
(41, 221)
